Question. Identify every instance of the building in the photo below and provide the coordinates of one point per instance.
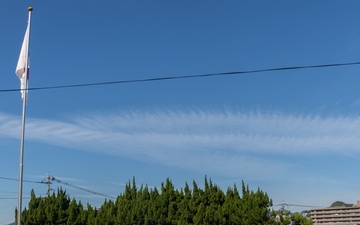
(336, 215)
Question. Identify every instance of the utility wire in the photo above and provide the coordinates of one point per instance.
(80, 188)
(12, 179)
(61, 182)
(289, 204)
(9, 198)
(185, 76)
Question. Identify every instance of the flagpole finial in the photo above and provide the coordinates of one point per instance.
(30, 8)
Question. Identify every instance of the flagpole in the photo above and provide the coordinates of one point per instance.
(23, 129)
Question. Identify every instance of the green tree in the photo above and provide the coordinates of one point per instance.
(74, 213)
(169, 206)
(298, 219)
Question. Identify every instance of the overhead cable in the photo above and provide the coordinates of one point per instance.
(13, 179)
(80, 188)
(289, 204)
(184, 77)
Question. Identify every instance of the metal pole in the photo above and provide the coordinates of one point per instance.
(21, 163)
(23, 136)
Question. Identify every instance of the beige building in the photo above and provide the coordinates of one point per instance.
(337, 215)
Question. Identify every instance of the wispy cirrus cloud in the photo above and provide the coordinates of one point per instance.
(221, 141)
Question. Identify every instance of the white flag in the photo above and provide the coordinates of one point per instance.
(21, 71)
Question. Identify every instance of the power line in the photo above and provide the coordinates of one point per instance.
(9, 198)
(80, 188)
(283, 205)
(287, 204)
(13, 179)
(61, 182)
(185, 76)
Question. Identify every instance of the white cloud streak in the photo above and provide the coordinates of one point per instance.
(226, 142)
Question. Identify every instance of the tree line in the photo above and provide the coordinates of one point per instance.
(156, 206)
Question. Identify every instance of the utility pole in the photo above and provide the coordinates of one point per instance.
(48, 183)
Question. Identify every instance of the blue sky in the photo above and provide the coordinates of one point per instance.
(295, 134)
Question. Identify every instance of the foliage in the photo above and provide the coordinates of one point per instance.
(164, 206)
(340, 204)
(283, 217)
(299, 219)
